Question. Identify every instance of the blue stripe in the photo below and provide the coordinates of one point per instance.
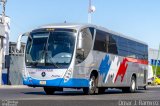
(104, 67)
(73, 82)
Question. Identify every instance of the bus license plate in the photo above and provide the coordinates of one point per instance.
(42, 82)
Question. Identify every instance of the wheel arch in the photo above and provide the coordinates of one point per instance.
(95, 73)
(135, 76)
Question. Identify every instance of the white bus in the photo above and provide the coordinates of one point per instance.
(83, 56)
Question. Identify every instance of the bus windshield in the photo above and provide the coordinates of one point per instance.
(52, 49)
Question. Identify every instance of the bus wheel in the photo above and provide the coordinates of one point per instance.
(133, 85)
(92, 86)
(49, 90)
(145, 87)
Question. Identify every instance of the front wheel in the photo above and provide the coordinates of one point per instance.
(92, 86)
(133, 85)
(49, 90)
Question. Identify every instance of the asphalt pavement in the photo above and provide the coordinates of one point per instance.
(18, 96)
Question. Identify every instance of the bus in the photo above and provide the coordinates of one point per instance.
(83, 56)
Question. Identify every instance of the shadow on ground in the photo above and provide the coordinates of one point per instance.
(80, 93)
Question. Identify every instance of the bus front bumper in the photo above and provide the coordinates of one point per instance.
(60, 82)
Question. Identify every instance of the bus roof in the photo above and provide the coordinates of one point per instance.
(80, 26)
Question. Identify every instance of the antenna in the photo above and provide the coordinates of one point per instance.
(91, 9)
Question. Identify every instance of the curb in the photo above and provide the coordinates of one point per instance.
(156, 86)
(13, 86)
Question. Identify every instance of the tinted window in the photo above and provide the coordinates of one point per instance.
(107, 42)
(100, 41)
(132, 49)
(91, 31)
(112, 46)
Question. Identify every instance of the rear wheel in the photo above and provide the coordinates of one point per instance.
(49, 90)
(145, 87)
(132, 87)
(92, 86)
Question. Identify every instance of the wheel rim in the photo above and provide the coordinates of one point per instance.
(92, 85)
(133, 85)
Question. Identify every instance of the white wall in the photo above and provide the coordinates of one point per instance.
(6, 35)
(152, 54)
(2, 30)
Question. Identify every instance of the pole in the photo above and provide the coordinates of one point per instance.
(155, 71)
(89, 12)
(3, 10)
(89, 18)
(1, 53)
(1, 41)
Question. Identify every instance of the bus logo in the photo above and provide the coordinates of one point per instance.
(43, 74)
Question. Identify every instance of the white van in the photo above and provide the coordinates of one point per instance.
(150, 74)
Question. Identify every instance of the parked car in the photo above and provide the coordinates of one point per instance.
(157, 80)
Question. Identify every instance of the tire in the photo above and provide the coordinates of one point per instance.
(92, 86)
(145, 87)
(49, 90)
(132, 87)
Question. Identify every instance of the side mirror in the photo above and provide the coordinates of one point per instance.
(80, 41)
(18, 46)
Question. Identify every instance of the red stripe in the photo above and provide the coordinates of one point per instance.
(122, 69)
(123, 66)
(137, 61)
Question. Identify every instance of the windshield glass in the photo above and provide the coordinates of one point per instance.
(52, 49)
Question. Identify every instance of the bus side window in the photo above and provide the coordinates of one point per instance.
(100, 43)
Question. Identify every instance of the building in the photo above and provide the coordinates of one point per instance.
(5, 51)
(152, 56)
(13, 51)
(2, 33)
(15, 62)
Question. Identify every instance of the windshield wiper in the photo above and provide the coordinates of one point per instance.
(50, 58)
(46, 54)
(34, 63)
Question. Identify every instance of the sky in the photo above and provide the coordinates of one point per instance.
(138, 19)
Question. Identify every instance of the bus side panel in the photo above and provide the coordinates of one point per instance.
(121, 71)
(114, 71)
